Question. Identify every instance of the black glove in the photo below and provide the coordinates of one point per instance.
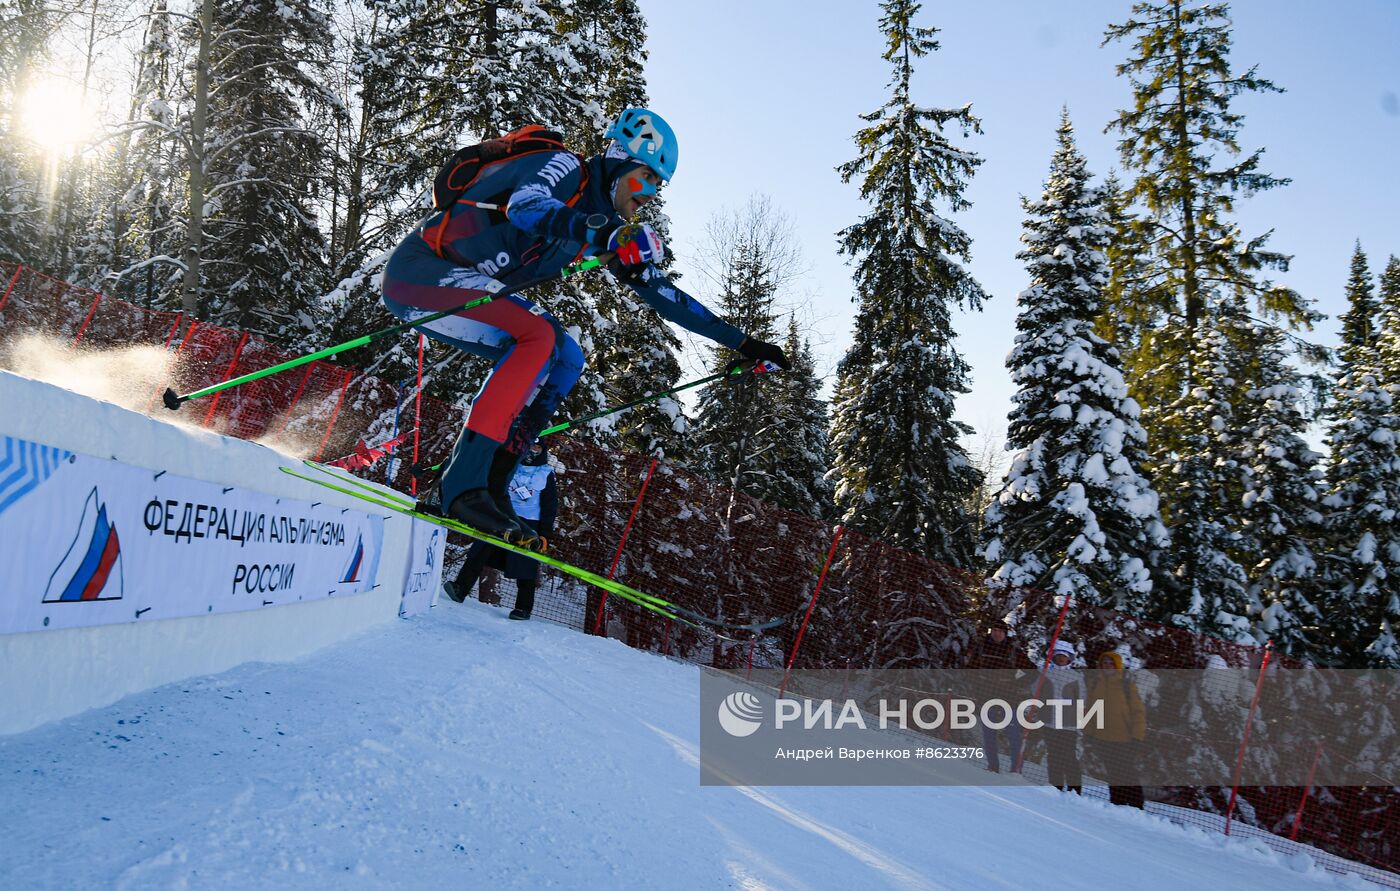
(759, 351)
(625, 275)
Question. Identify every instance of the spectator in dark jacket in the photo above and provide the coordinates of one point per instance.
(535, 497)
(998, 653)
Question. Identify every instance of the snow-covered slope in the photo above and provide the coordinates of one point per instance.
(461, 750)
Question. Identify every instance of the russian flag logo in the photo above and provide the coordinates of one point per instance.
(357, 559)
(92, 567)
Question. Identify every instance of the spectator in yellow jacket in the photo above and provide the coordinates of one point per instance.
(1118, 742)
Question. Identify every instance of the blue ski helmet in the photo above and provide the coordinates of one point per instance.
(644, 135)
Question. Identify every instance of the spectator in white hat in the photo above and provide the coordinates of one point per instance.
(1062, 682)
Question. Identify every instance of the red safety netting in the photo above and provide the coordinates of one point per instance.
(31, 301)
(115, 323)
(848, 601)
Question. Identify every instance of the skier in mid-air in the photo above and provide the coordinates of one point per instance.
(520, 222)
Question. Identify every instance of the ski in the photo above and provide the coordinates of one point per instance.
(401, 504)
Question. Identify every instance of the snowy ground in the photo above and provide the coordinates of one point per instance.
(461, 750)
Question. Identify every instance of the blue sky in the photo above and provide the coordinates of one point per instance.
(764, 96)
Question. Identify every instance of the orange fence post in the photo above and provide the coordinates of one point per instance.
(189, 332)
(1307, 787)
(228, 374)
(1244, 742)
(617, 557)
(811, 604)
(296, 397)
(174, 360)
(335, 413)
(1044, 667)
(87, 319)
(14, 278)
(175, 327)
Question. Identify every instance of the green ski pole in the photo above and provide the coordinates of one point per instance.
(633, 404)
(173, 400)
(736, 372)
(617, 408)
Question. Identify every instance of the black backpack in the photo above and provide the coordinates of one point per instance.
(467, 164)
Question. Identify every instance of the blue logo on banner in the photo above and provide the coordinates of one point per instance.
(24, 466)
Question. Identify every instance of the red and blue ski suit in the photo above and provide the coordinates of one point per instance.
(486, 251)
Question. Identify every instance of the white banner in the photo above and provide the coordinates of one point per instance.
(424, 568)
(88, 541)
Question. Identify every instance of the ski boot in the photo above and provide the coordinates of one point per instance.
(463, 486)
(477, 509)
(432, 506)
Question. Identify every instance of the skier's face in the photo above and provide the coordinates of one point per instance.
(635, 190)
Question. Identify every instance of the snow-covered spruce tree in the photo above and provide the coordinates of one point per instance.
(264, 260)
(748, 257)
(801, 461)
(147, 222)
(1389, 324)
(1076, 516)
(1360, 332)
(20, 208)
(1130, 305)
(1174, 139)
(1383, 650)
(738, 431)
(606, 39)
(1279, 514)
(901, 473)
(375, 191)
(1362, 573)
(738, 428)
(1202, 470)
